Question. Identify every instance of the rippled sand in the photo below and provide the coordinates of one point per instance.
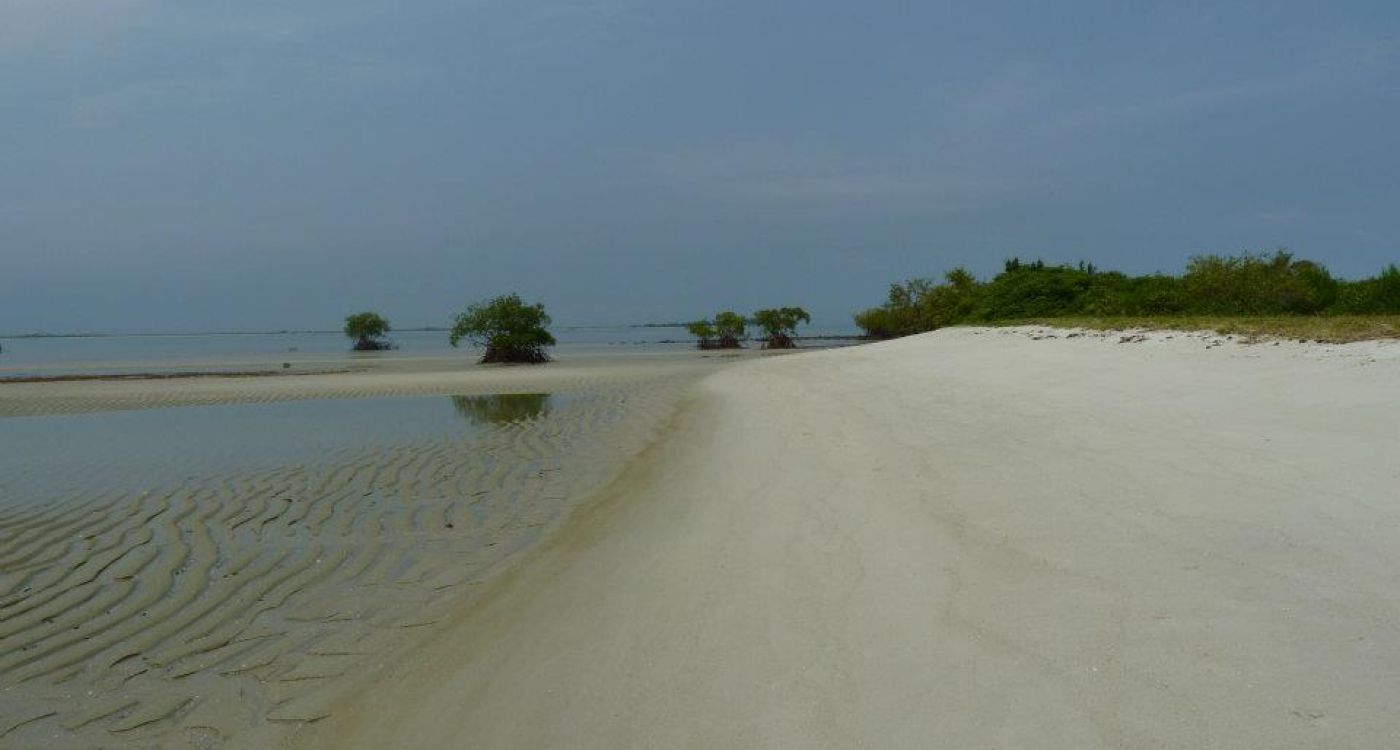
(211, 595)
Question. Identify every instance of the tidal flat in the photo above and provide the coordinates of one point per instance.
(214, 562)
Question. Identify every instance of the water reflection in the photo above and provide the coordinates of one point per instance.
(501, 408)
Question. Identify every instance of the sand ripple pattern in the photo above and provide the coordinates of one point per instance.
(36, 399)
(227, 606)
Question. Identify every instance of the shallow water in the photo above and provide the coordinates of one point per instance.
(198, 575)
(51, 457)
(86, 355)
(81, 354)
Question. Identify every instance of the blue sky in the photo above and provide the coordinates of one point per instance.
(201, 165)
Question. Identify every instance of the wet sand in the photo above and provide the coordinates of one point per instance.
(371, 378)
(1013, 538)
(213, 560)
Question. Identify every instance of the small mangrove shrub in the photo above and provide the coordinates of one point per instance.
(724, 332)
(367, 329)
(779, 326)
(508, 329)
(704, 333)
(729, 330)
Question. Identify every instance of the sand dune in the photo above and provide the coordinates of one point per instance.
(970, 538)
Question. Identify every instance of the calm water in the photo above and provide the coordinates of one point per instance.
(47, 456)
(223, 352)
(178, 576)
(75, 355)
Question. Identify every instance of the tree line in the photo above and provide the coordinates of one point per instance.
(1249, 284)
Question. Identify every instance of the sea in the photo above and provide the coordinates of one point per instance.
(23, 357)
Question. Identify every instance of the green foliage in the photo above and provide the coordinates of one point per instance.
(923, 305)
(899, 316)
(704, 332)
(366, 328)
(724, 332)
(510, 330)
(1374, 296)
(729, 329)
(1248, 284)
(1157, 294)
(1258, 285)
(1033, 290)
(780, 325)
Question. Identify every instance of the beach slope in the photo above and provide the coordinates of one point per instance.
(972, 538)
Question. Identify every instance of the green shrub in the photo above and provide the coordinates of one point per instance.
(943, 304)
(780, 326)
(729, 329)
(1374, 296)
(1031, 290)
(921, 305)
(1257, 285)
(510, 330)
(366, 329)
(1157, 295)
(881, 323)
(704, 333)
(898, 316)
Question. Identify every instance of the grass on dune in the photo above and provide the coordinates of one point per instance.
(1334, 329)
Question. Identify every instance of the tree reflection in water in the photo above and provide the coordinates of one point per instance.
(501, 408)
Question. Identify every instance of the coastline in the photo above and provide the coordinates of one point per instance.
(383, 378)
(209, 574)
(157, 375)
(979, 537)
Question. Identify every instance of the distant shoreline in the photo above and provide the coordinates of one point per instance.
(174, 334)
(164, 375)
(289, 332)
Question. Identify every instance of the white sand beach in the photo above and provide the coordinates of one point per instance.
(1008, 538)
(1015, 537)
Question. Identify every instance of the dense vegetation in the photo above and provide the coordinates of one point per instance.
(367, 329)
(1243, 285)
(509, 329)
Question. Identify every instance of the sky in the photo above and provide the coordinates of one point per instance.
(196, 165)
